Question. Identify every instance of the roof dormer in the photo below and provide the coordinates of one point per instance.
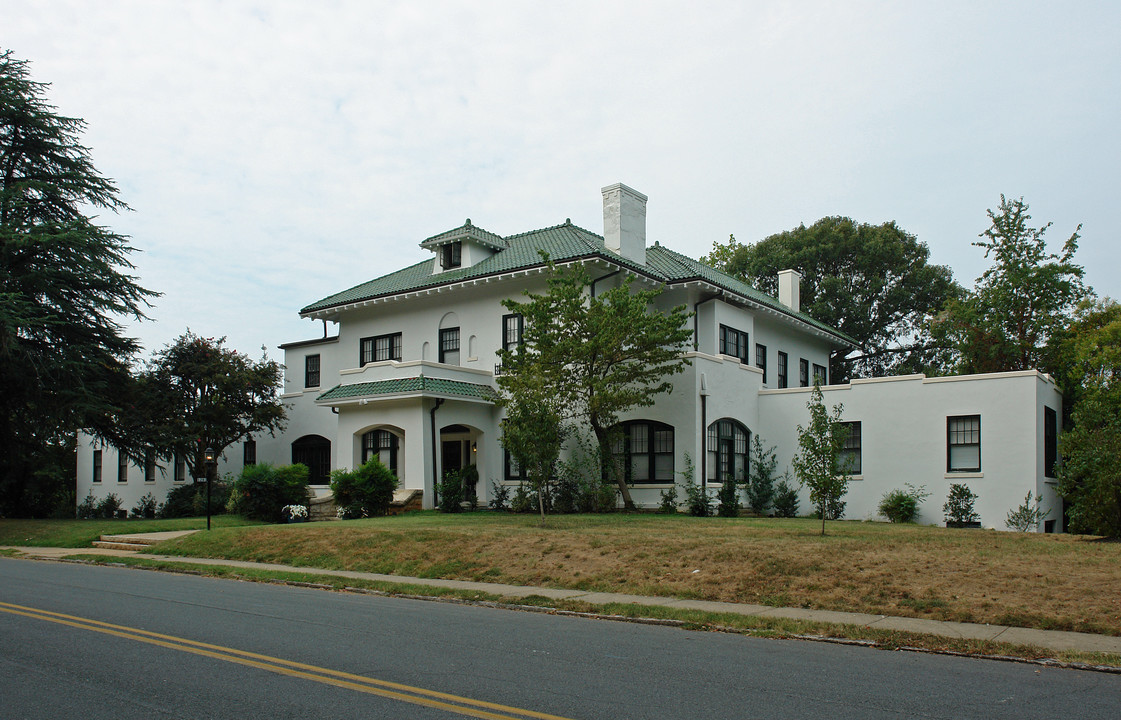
(465, 246)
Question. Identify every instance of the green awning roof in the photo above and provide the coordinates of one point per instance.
(406, 386)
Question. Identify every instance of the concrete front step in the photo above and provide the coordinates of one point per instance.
(108, 545)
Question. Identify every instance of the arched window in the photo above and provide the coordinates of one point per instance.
(381, 444)
(727, 450)
(645, 451)
(315, 452)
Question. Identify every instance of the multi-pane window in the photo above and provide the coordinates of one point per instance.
(512, 329)
(733, 342)
(379, 348)
(451, 255)
(249, 452)
(149, 465)
(514, 471)
(97, 466)
(782, 363)
(644, 450)
(314, 451)
(180, 468)
(449, 346)
(122, 467)
(963, 443)
(311, 371)
(1050, 441)
(761, 360)
(848, 460)
(380, 444)
(803, 372)
(727, 442)
(820, 377)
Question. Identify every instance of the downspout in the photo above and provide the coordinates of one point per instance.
(603, 278)
(704, 435)
(435, 442)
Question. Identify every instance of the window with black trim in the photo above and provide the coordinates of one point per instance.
(249, 452)
(782, 363)
(514, 472)
(803, 372)
(311, 371)
(733, 342)
(449, 346)
(122, 467)
(513, 327)
(727, 443)
(820, 375)
(644, 450)
(451, 255)
(180, 468)
(379, 348)
(97, 466)
(1050, 441)
(848, 460)
(761, 360)
(383, 445)
(963, 443)
(150, 465)
(314, 451)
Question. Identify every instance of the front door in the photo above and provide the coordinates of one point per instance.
(451, 455)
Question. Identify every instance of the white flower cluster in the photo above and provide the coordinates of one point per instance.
(295, 511)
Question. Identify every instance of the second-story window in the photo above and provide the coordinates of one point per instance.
(512, 328)
(803, 372)
(311, 371)
(782, 363)
(379, 348)
(733, 342)
(451, 255)
(761, 360)
(821, 377)
(449, 346)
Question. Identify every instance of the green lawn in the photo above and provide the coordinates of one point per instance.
(81, 533)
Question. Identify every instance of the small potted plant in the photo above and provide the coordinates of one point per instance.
(294, 513)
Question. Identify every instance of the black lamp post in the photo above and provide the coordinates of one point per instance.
(211, 463)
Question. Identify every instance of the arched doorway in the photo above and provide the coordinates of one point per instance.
(315, 452)
(727, 445)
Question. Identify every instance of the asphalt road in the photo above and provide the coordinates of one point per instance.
(90, 642)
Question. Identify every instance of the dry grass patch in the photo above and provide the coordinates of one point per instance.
(1047, 581)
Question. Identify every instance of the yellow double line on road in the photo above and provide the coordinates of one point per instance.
(384, 688)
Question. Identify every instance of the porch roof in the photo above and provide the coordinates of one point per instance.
(419, 385)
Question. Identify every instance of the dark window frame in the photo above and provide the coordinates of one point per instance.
(451, 255)
(1050, 441)
(374, 441)
(149, 465)
(180, 464)
(783, 369)
(735, 343)
(97, 466)
(516, 323)
(761, 360)
(655, 447)
(803, 372)
(370, 352)
(249, 452)
(852, 448)
(312, 365)
(962, 437)
(446, 345)
(313, 450)
(820, 371)
(722, 445)
(122, 467)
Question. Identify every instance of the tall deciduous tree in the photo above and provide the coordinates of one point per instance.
(194, 394)
(817, 463)
(597, 357)
(1019, 304)
(872, 282)
(64, 284)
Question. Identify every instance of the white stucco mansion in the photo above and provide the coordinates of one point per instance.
(410, 376)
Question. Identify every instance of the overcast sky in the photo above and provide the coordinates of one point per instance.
(277, 152)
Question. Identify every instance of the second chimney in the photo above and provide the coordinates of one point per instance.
(790, 288)
(624, 222)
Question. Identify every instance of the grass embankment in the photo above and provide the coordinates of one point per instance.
(81, 533)
(1060, 582)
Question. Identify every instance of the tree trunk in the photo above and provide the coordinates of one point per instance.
(607, 465)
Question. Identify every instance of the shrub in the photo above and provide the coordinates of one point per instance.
(959, 505)
(451, 492)
(668, 505)
(1027, 516)
(262, 490)
(499, 496)
(366, 491)
(108, 506)
(761, 483)
(190, 500)
(524, 500)
(87, 510)
(696, 499)
(728, 499)
(901, 506)
(145, 508)
(566, 493)
(786, 499)
(470, 477)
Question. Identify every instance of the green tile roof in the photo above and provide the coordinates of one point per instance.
(420, 384)
(562, 243)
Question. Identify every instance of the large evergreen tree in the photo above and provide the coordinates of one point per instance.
(64, 286)
(872, 282)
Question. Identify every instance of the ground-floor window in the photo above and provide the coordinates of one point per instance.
(249, 452)
(122, 467)
(383, 445)
(97, 466)
(848, 460)
(644, 450)
(963, 443)
(150, 465)
(315, 452)
(727, 451)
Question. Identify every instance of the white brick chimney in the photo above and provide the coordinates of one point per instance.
(624, 222)
(790, 288)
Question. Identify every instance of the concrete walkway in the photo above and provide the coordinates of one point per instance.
(1050, 639)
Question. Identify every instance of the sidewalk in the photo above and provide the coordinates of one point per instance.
(1050, 639)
